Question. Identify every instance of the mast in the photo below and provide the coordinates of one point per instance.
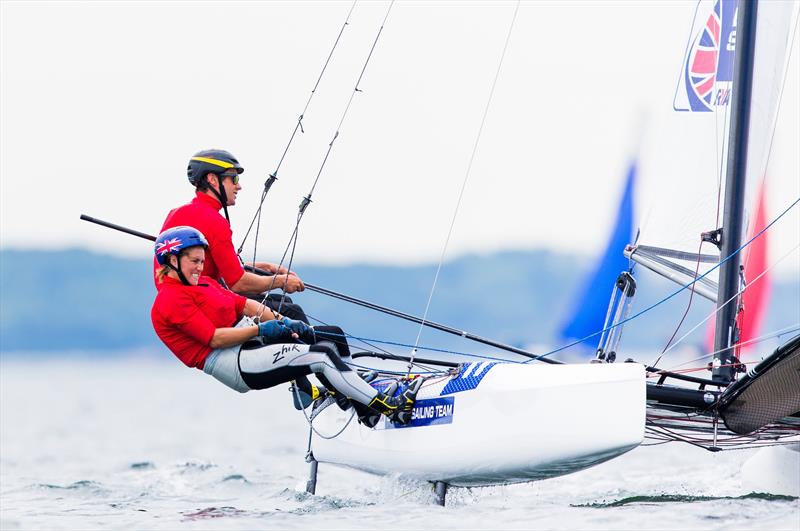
(726, 332)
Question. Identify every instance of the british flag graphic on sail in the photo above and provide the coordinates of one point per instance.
(707, 73)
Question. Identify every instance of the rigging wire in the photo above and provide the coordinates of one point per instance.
(778, 333)
(429, 349)
(464, 183)
(737, 294)
(292, 244)
(298, 127)
(491, 358)
(688, 306)
(371, 345)
(310, 420)
(673, 294)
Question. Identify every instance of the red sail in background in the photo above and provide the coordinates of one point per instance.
(756, 296)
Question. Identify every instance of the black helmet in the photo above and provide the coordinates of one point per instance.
(210, 161)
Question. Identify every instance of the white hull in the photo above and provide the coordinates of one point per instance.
(519, 423)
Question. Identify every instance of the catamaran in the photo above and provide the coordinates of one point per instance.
(467, 429)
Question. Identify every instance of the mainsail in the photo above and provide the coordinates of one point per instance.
(688, 157)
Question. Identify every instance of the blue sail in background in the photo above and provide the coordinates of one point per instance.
(588, 310)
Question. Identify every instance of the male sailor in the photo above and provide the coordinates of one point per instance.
(214, 173)
(209, 327)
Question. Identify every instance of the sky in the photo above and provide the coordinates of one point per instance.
(103, 103)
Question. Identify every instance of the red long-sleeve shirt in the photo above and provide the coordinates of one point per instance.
(186, 317)
(203, 214)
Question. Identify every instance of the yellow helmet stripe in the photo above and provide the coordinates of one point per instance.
(215, 162)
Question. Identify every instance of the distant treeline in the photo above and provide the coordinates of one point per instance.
(83, 301)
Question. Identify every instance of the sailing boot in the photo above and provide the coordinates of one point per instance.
(342, 401)
(368, 416)
(304, 393)
(398, 408)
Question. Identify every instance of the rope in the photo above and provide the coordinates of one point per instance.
(430, 349)
(366, 342)
(292, 244)
(416, 346)
(688, 307)
(310, 420)
(464, 184)
(298, 126)
(716, 310)
(787, 330)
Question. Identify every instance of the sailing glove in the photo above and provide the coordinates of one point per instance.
(274, 331)
(305, 332)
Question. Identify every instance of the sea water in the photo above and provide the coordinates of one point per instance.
(142, 442)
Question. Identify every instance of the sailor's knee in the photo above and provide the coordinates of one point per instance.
(330, 351)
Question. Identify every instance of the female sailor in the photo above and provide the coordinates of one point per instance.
(247, 346)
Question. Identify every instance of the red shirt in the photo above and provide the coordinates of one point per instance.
(186, 317)
(203, 214)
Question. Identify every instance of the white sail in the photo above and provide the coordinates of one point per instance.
(776, 24)
(683, 163)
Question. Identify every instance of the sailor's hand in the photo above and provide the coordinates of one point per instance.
(275, 331)
(292, 283)
(272, 269)
(302, 330)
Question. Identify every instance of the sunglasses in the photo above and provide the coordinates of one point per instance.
(234, 177)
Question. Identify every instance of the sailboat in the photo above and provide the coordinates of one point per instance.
(470, 426)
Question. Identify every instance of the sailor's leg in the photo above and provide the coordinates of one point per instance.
(342, 378)
(347, 381)
(272, 365)
(223, 364)
(292, 311)
(335, 335)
